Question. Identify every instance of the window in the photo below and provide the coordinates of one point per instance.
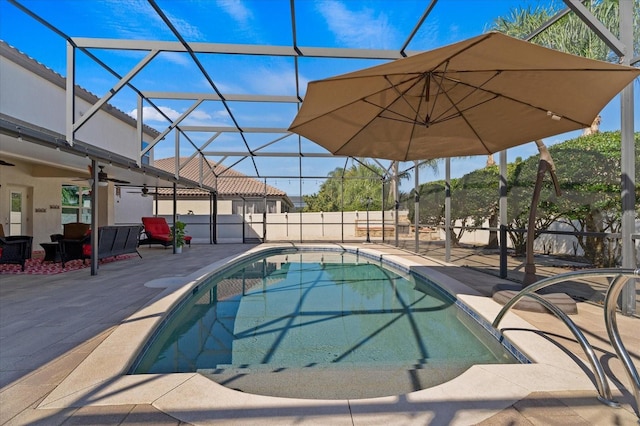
(76, 204)
(145, 159)
(253, 206)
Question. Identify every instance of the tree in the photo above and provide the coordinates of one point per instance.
(569, 34)
(522, 176)
(431, 164)
(473, 199)
(588, 174)
(590, 182)
(431, 203)
(348, 189)
(71, 195)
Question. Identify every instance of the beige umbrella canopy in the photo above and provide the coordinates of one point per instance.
(478, 96)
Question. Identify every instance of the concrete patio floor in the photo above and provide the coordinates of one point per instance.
(49, 325)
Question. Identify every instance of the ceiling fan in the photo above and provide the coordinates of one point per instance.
(144, 191)
(103, 178)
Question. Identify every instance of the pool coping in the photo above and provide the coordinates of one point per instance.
(479, 393)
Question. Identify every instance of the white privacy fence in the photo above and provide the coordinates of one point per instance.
(317, 226)
(349, 226)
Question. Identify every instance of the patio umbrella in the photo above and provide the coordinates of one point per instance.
(478, 96)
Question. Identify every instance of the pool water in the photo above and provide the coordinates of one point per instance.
(321, 325)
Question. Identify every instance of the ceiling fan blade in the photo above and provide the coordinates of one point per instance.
(103, 177)
(120, 181)
(144, 191)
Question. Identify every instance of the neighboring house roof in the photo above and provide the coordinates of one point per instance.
(230, 183)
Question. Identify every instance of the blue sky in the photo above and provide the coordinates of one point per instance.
(374, 24)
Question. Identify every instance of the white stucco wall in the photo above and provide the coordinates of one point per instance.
(42, 214)
(26, 96)
(199, 207)
(130, 208)
(287, 226)
(33, 99)
(40, 218)
(165, 207)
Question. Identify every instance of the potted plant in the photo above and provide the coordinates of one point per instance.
(178, 228)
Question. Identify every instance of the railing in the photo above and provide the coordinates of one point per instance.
(620, 277)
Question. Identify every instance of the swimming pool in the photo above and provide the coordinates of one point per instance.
(320, 324)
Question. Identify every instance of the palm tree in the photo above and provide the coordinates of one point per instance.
(569, 34)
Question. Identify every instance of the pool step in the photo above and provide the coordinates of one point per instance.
(273, 367)
(335, 381)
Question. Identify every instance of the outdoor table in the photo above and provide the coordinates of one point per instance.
(51, 252)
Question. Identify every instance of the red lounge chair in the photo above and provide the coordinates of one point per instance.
(157, 231)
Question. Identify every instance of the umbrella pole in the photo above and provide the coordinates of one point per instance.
(503, 214)
(396, 203)
(368, 204)
(545, 164)
(416, 218)
(447, 210)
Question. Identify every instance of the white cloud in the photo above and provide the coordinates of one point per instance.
(133, 19)
(136, 19)
(271, 80)
(151, 114)
(428, 37)
(200, 116)
(178, 58)
(359, 29)
(195, 118)
(188, 31)
(274, 81)
(236, 9)
(224, 87)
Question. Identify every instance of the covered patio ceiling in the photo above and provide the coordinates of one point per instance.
(222, 81)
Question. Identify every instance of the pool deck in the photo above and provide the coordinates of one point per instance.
(65, 339)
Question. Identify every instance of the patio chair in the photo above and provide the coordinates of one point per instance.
(15, 249)
(157, 231)
(115, 241)
(75, 235)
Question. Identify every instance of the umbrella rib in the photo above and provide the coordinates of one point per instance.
(426, 78)
(375, 110)
(401, 95)
(460, 113)
(500, 95)
(398, 116)
(435, 101)
(475, 89)
(382, 108)
(362, 99)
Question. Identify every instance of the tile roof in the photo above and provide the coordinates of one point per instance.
(229, 182)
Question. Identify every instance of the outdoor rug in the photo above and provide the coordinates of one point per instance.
(35, 266)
